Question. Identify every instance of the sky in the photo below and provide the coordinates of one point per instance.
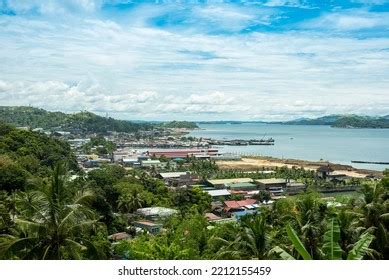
(196, 60)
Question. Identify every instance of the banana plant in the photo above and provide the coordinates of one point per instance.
(331, 248)
(361, 247)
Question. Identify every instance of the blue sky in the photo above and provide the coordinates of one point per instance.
(196, 60)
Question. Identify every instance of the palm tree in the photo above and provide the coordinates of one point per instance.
(309, 214)
(51, 223)
(254, 238)
(222, 243)
(251, 240)
(129, 202)
(375, 208)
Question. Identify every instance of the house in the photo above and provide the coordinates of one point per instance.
(148, 226)
(246, 186)
(212, 217)
(143, 157)
(239, 214)
(328, 174)
(119, 155)
(156, 213)
(223, 183)
(217, 219)
(91, 163)
(278, 187)
(295, 187)
(130, 162)
(274, 185)
(149, 163)
(249, 194)
(323, 171)
(272, 182)
(236, 205)
(178, 178)
(79, 142)
(218, 194)
(171, 175)
(201, 156)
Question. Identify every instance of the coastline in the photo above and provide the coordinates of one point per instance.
(250, 163)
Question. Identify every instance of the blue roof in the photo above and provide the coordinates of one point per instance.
(239, 214)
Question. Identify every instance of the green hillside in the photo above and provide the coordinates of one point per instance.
(346, 121)
(83, 121)
(362, 122)
(180, 124)
(24, 152)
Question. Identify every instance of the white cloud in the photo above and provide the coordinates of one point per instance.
(136, 71)
(350, 21)
(53, 7)
(286, 3)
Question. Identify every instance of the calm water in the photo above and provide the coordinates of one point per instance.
(306, 142)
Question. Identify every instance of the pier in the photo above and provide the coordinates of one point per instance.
(371, 162)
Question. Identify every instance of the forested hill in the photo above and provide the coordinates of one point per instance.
(24, 154)
(84, 121)
(346, 121)
(180, 124)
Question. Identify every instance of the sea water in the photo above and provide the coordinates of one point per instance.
(307, 142)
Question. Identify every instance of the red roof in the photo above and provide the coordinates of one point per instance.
(233, 204)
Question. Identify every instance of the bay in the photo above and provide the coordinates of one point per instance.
(307, 142)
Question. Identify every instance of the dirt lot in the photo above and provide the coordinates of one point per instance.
(254, 163)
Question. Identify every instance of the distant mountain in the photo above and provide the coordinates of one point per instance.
(82, 121)
(326, 120)
(362, 122)
(228, 122)
(346, 121)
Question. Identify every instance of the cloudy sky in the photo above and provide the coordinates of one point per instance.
(196, 60)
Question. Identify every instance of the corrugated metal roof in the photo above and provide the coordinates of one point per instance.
(230, 181)
(218, 192)
(212, 217)
(272, 181)
(172, 174)
(156, 211)
(239, 203)
(151, 161)
(241, 185)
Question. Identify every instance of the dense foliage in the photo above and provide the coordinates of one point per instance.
(83, 121)
(46, 214)
(23, 153)
(101, 145)
(302, 227)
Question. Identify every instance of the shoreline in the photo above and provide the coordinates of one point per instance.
(250, 163)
